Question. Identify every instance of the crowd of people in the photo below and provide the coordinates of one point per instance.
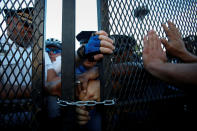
(183, 75)
(86, 72)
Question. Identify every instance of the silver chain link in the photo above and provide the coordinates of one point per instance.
(85, 103)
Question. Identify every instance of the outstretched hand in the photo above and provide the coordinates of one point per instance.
(175, 45)
(153, 53)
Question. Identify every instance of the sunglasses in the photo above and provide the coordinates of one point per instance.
(55, 51)
(26, 24)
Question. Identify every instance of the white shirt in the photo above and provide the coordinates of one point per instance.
(48, 64)
(14, 69)
(19, 69)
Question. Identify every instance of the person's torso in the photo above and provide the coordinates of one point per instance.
(15, 67)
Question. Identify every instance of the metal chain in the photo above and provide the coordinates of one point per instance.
(85, 103)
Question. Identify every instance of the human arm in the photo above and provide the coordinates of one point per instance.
(175, 44)
(84, 78)
(177, 74)
(53, 81)
(93, 94)
(155, 61)
(93, 91)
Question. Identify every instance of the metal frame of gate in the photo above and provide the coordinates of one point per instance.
(140, 97)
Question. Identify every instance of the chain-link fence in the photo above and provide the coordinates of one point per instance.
(143, 102)
(21, 63)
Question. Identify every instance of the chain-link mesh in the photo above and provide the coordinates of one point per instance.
(142, 100)
(21, 47)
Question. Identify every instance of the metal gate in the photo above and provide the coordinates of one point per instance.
(142, 101)
(21, 63)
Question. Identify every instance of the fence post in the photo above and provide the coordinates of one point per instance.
(68, 47)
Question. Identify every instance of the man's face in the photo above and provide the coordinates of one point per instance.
(19, 31)
(53, 52)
